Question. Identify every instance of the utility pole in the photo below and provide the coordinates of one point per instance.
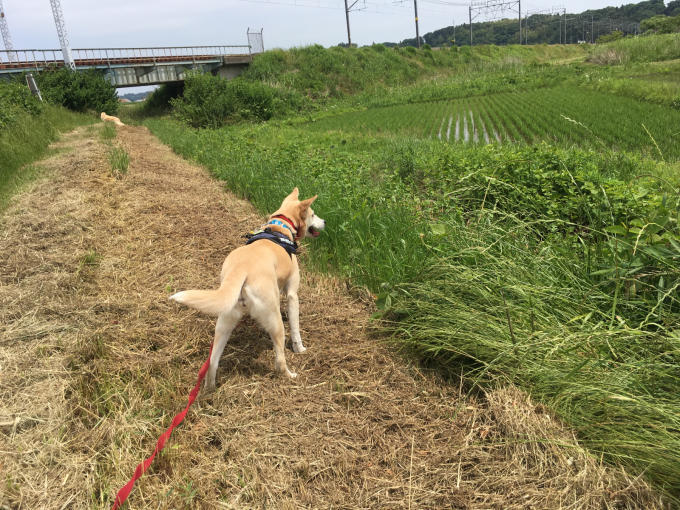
(454, 31)
(63, 36)
(592, 29)
(415, 8)
(348, 9)
(349, 36)
(519, 17)
(470, 14)
(6, 37)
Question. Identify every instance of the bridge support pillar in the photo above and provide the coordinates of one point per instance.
(231, 71)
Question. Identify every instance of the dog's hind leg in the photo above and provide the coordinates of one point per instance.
(226, 322)
(277, 334)
(264, 308)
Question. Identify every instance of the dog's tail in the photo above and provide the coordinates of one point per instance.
(214, 302)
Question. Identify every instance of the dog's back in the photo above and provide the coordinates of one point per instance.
(252, 278)
(111, 118)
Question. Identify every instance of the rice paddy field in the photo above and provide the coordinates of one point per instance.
(563, 115)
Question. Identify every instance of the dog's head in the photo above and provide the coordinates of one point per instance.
(300, 211)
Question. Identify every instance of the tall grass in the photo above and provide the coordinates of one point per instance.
(504, 290)
(646, 48)
(511, 310)
(27, 139)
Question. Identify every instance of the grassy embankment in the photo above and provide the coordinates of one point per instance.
(27, 127)
(645, 68)
(555, 269)
(369, 74)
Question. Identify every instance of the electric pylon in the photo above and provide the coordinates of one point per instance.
(6, 37)
(61, 32)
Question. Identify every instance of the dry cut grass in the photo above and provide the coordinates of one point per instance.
(95, 361)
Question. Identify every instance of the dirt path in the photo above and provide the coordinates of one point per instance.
(94, 362)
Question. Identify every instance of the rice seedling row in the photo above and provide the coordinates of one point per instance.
(507, 118)
(536, 120)
(489, 113)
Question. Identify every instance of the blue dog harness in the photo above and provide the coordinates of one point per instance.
(274, 237)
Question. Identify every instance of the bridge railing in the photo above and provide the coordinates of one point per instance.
(35, 58)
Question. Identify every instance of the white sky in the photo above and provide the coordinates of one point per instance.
(286, 23)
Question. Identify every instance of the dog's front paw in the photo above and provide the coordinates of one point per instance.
(209, 386)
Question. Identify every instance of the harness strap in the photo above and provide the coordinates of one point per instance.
(274, 237)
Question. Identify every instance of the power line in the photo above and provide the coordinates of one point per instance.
(370, 7)
(496, 7)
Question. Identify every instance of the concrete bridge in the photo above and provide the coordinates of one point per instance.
(131, 67)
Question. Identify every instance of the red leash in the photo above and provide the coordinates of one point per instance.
(143, 466)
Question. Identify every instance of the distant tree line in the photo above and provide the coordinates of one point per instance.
(552, 29)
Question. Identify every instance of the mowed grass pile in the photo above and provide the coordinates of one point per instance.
(554, 269)
(27, 127)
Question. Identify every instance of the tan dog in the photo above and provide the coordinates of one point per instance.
(251, 279)
(111, 118)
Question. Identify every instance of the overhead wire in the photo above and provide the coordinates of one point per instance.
(392, 8)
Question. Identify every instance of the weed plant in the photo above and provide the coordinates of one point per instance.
(107, 132)
(119, 161)
(486, 268)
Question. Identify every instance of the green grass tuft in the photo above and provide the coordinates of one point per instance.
(119, 160)
(108, 132)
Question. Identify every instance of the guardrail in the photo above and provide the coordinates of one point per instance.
(37, 58)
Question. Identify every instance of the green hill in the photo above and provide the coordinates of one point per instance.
(545, 28)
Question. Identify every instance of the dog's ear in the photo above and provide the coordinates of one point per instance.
(294, 195)
(306, 203)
